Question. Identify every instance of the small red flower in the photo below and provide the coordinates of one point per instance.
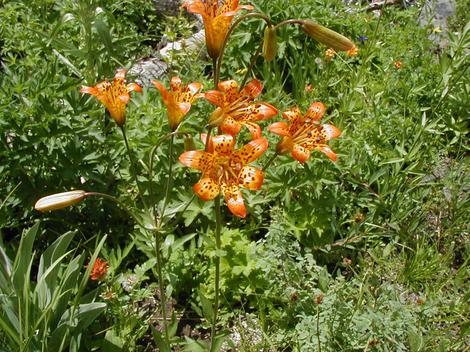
(397, 64)
(99, 270)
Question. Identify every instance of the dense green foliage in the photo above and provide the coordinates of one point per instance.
(366, 254)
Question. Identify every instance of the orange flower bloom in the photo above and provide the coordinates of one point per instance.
(329, 54)
(114, 96)
(178, 100)
(99, 270)
(226, 170)
(305, 133)
(217, 19)
(236, 108)
(397, 64)
(353, 51)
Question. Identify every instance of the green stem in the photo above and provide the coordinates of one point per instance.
(133, 167)
(318, 328)
(270, 161)
(229, 32)
(218, 225)
(250, 67)
(216, 69)
(169, 180)
(158, 253)
(291, 21)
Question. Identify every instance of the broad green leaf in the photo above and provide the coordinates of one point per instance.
(23, 257)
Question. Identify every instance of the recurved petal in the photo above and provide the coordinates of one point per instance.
(234, 200)
(206, 188)
(230, 88)
(223, 144)
(194, 87)
(195, 6)
(252, 151)
(120, 73)
(197, 159)
(316, 111)
(251, 177)
(175, 83)
(328, 152)
(134, 87)
(280, 128)
(89, 90)
(300, 153)
(124, 98)
(230, 126)
(215, 97)
(331, 131)
(162, 89)
(254, 129)
(184, 107)
(253, 89)
(292, 114)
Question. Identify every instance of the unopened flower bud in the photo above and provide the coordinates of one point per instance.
(59, 200)
(270, 43)
(284, 146)
(216, 117)
(189, 144)
(327, 36)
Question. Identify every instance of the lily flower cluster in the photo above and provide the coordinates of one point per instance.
(224, 168)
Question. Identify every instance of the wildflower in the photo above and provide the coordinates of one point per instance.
(178, 100)
(362, 38)
(226, 170)
(217, 19)
(347, 261)
(59, 200)
(319, 298)
(329, 54)
(304, 133)
(236, 108)
(397, 64)
(327, 36)
(359, 217)
(353, 51)
(309, 88)
(437, 29)
(99, 270)
(114, 96)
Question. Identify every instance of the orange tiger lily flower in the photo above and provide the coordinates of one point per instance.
(226, 170)
(114, 96)
(217, 19)
(179, 99)
(305, 133)
(236, 108)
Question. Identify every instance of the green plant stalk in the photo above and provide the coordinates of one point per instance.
(133, 169)
(252, 64)
(217, 63)
(158, 253)
(269, 162)
(218, 225)
(169, 180)
(318, 328)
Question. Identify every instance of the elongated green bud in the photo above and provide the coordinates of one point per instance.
(327, 36)
(269, 43)
(59, 200)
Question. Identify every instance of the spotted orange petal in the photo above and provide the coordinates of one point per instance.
(223, 144)
(252, 151)
(253, 89)
(280, 128)
(251, 177)
(131, 87)
(206, 188)
(197, 159)
(230, 126)
(175, 83)
(331, 131)
(254, 129)
(292, 114)
(316, 111)
(327, 151)
(300, 153)
(215, 97)
(163, 91)
(230, 88)
(234, 200)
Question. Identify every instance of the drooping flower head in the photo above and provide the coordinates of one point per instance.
(178, 99)
(304, 133)
(237, 108)
(226, 170)
(99, 270)
(217, 19)
(114, 96)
